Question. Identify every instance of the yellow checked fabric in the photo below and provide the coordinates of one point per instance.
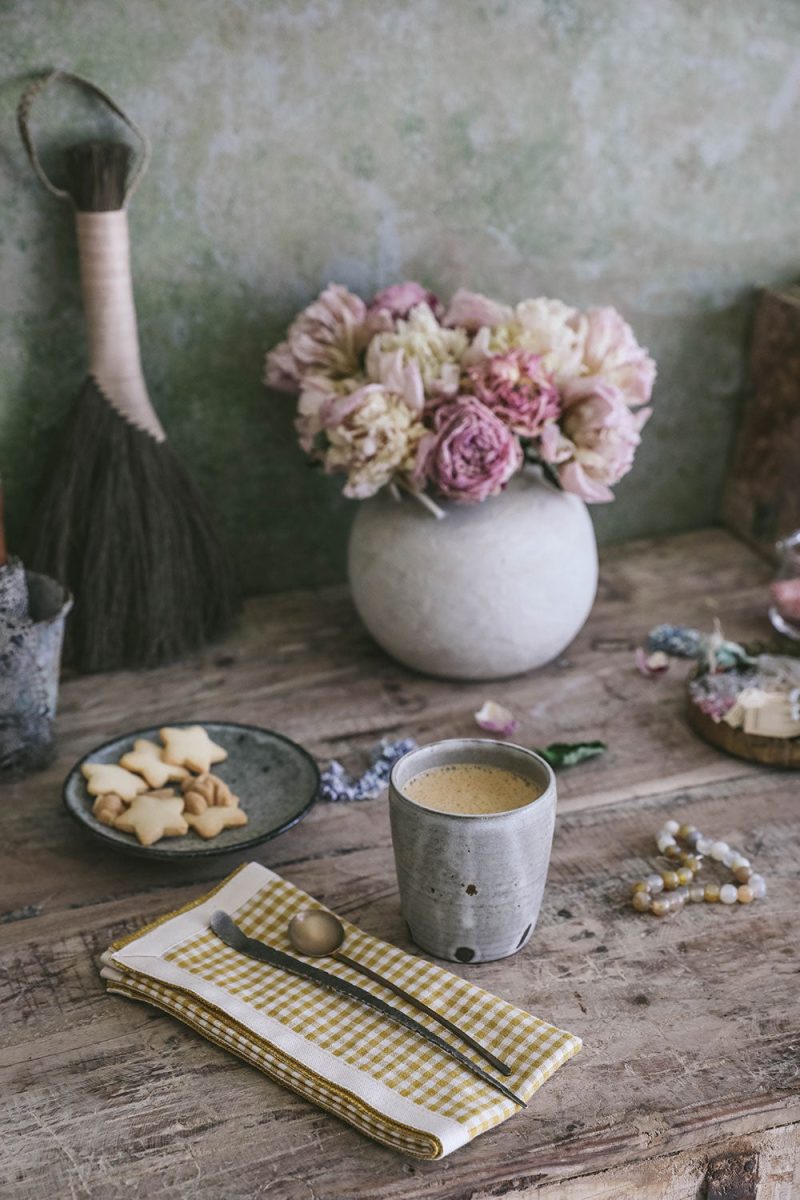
(444, 1094)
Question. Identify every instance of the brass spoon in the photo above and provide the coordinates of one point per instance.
(320, 934)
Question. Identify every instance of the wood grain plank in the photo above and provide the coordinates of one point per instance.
(690, 1027)
(685, 1176)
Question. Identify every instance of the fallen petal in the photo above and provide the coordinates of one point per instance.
(495, 719)
(653, 664)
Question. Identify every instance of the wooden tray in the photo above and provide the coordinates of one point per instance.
(773, 752)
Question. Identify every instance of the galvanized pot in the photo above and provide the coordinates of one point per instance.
(30, 658)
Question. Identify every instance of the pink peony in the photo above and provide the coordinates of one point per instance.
(281, 369)
(325, 339)
(516, 387)
(610, 351)
(470, 454)
(595, 447)
(472, 311)
(308, 422)
(398, 300)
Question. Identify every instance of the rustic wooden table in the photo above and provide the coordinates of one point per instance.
(688, 1082)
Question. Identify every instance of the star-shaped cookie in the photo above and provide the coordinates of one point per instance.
(108, 806)
(153, 817)
(145, 759)
(102, 778)
(214, 819)
(191, 747)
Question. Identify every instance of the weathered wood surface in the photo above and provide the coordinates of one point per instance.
(760, 1167)
(690, 1025)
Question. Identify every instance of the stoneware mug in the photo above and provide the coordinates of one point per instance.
(471, 885)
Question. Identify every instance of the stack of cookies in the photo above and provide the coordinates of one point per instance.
(133, 795)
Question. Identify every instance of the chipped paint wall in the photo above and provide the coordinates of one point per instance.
(637, 152)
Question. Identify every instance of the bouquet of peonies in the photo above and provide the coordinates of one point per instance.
(404, 393)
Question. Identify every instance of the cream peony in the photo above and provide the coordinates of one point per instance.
(318, 392)
(372, 436)
(545, 327)
(421, 340)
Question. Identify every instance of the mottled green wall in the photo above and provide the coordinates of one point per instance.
(637, 152)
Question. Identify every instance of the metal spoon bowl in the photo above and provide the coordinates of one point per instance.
(316, 933)
(319, 934)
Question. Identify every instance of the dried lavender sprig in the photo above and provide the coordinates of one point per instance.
(336, 784)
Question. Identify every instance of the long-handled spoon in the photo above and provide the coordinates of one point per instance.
(230, 933)
(320, 934)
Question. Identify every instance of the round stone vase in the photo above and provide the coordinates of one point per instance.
(488, 591)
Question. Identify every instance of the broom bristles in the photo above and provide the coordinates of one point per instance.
(123, 526)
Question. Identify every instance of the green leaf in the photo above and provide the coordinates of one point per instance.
(320, 442)
(569, 754)
(548, 470)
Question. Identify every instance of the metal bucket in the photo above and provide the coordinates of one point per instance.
(30, 657)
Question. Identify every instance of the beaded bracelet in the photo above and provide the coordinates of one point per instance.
(678, 880)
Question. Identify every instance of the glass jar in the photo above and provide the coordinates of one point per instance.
(784, 611)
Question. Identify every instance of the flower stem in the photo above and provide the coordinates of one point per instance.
(422, 499)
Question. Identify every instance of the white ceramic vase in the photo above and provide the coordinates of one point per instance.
(491, 590)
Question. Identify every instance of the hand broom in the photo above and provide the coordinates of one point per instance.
(119, 521)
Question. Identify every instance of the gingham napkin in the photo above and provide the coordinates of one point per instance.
(349, 1060)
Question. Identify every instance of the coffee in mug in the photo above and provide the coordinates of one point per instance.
(471, 789)
(472, 826)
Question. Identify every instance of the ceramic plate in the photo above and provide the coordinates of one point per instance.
(275, 779)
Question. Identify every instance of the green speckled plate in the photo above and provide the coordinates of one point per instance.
(275, 779)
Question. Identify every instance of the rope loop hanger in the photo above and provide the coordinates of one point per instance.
(23, 122)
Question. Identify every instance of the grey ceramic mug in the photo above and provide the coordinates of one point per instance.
(471, 885)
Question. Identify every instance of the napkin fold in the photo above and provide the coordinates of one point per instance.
(347, 1059)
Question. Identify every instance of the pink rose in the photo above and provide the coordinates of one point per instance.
(470, 454)
(325, 339)
(599, 436)
(398, 300)
(517, 388)
(611, 354)
(472, 311)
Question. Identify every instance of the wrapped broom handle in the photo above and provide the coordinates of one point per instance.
(114, 360)
(102, 192)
